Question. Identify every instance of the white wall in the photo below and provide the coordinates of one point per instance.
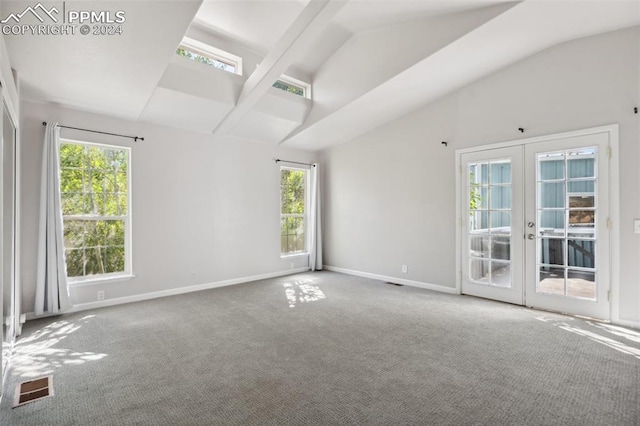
(390, 194)
(199, 205)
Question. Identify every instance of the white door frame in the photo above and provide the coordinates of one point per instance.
(11, 100)
(614, 202)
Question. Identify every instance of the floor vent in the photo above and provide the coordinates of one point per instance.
(390, 283)
(33, 390)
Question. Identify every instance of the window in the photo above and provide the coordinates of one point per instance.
(94, 187)
(183, 51)
(293, 211)
(294, 86)
(490, 235)
(209, 55)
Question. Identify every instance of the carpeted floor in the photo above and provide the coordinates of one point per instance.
(326, 349)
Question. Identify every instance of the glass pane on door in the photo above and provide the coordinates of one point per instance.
(489, 189)
(566, 213)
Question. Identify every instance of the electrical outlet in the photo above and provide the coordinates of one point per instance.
(404, 269)
(101, 295)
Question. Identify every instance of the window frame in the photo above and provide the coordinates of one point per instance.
(305, 216)
(128, 256)
(306, 87)
(213, 53)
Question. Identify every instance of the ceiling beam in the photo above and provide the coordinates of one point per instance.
(307, 27)
(521, 31)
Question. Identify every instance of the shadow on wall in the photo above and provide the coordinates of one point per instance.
(619, 338)
(37, 354)
(302, 291)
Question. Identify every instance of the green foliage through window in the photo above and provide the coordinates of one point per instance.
(292, 210)
(94, 196)
(287, 87)
(194, 56)
(475, 199)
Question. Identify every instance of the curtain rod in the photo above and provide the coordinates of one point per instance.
(135, 138)
(295, 162)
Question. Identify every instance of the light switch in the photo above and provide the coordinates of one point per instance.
(636, 226)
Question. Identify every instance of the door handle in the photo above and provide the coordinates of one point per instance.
(531, 224)
(531, 236)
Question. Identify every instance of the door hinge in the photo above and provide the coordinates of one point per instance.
(460, 277)
(609, 224)
(609, 152)
(609, 296)
(460, 221)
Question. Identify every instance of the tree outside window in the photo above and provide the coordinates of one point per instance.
(95, 204)
(293, 187)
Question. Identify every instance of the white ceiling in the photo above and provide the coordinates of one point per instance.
(362, 15)
(258, 24)
(370, 61)
(110, 74)
(518, 32)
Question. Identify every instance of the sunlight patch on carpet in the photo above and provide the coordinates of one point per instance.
(603, 334)
(302, 291)
(43, 351)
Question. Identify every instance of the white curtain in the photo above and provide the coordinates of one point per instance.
(52, 291)
(315, 228)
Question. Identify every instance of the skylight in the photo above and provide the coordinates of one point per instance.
(195, 56)
(291, 85)
(209, 55)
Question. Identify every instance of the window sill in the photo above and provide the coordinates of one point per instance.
(287, 256)
(101, 280)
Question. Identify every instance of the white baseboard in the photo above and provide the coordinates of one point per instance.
(397, 280)
(436, 287)
(224, 283)
(626, 323)
(171, 292)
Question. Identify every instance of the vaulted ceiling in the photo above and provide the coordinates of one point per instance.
(369, 61)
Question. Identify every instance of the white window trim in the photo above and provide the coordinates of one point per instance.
(306, 87)
(213, 53)
(307, 200)
(101, 279)
(128, 256)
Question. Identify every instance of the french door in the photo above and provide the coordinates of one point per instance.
(535, 224)
(493, 214)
